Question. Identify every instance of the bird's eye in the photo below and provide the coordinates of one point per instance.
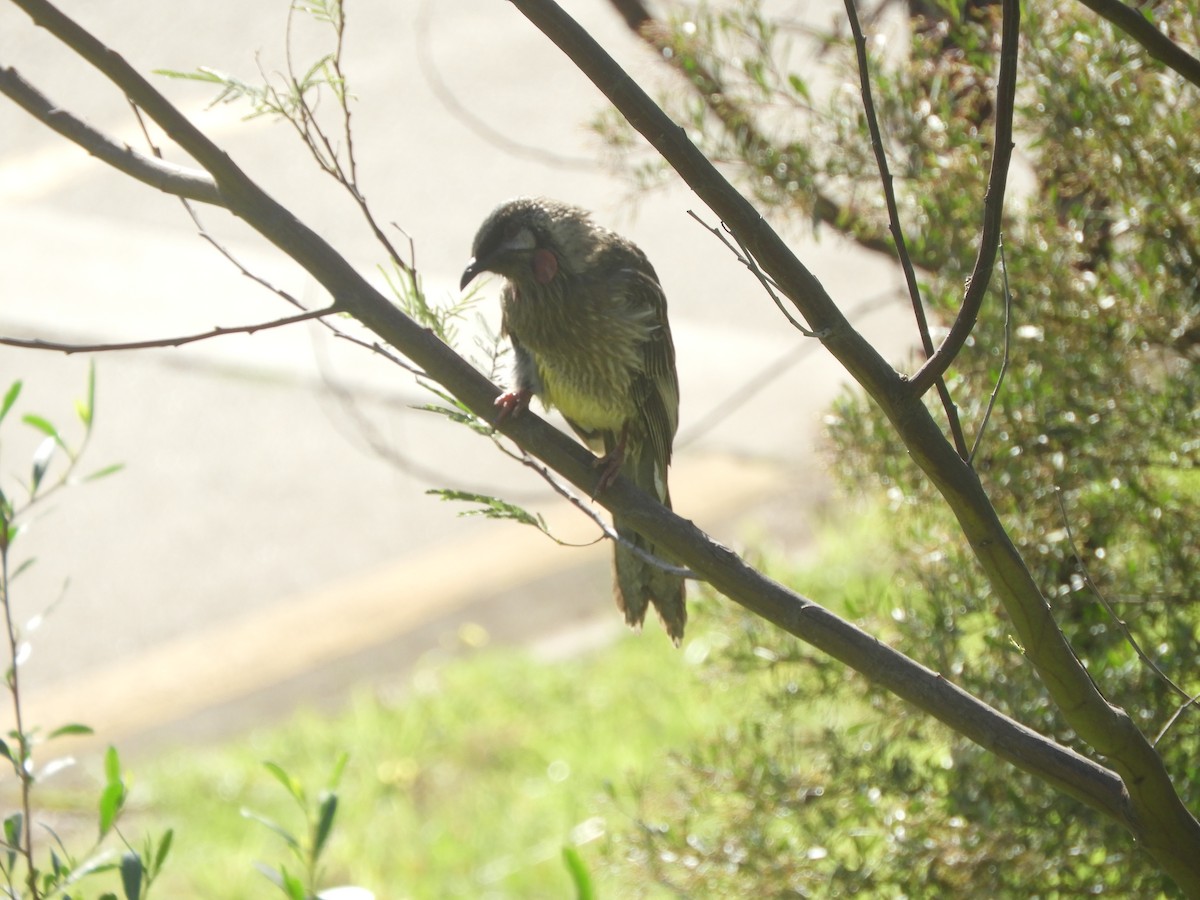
(520, 239)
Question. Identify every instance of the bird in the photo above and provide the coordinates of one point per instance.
(586, 317)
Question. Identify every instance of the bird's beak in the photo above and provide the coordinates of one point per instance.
(474, 267)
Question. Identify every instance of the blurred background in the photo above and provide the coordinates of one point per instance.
(270, 541)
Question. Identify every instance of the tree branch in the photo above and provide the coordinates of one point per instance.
(191, 184)
(889, 195)
(993, 207)
(1157, 44)
(61, 347)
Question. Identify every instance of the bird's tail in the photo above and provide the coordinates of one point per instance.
(638, 581)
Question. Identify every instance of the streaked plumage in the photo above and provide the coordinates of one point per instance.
(587, 319)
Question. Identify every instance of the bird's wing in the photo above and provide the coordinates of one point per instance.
(657, 386)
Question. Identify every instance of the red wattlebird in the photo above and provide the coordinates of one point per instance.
(587, 319)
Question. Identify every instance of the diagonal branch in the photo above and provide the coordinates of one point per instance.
(192, 184)
(993, 208)
(1142, 30)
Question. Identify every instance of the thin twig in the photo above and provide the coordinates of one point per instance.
(450, 102)
(61, 347)
(584, 507)
(987, 413)
(1191, 701)
(736, 399)
(746, 259)
(993, 207)
(1121, 626)
(893, 211)
(885, 178)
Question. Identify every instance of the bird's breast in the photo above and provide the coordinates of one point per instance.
(588, 348)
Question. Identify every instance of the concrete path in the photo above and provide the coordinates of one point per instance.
(271, 526)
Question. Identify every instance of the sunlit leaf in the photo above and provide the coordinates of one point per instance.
(41, 461)
(112, 798)
(10, 397)
(41, 424)
(293, 786)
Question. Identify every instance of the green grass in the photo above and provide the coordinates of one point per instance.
(467, 781)
(468, 777)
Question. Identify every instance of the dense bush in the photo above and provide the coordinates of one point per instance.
(1091, 453)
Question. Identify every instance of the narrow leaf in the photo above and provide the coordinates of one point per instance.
(111, 801)
(105, 472)
(293, 787)
(41, 424)
(339, 767)
(131, 875)
(10, 397)
(112, 766)
(325, 815)
(580, 877)
(13, 826)
(274, 826)
(164, 847)
(73, 728)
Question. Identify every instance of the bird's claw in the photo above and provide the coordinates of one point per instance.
(610, 467)
(512, 403)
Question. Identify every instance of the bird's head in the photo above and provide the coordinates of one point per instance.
(528, 240)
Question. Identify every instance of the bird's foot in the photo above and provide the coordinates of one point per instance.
(512, 403)
(610, 465)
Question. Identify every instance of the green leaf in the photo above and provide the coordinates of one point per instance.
(111, 801)
(13, 828)
(112, 766)
(73, 728)
(325, 814)
(339, 767)
(105, 472)
(491, 507)
(41, 424)
(580, 877)
(164, 847)
(274, 826)
(294, 787)
(292, 885)
(131, 875)
(86, 407)
(10, 397)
